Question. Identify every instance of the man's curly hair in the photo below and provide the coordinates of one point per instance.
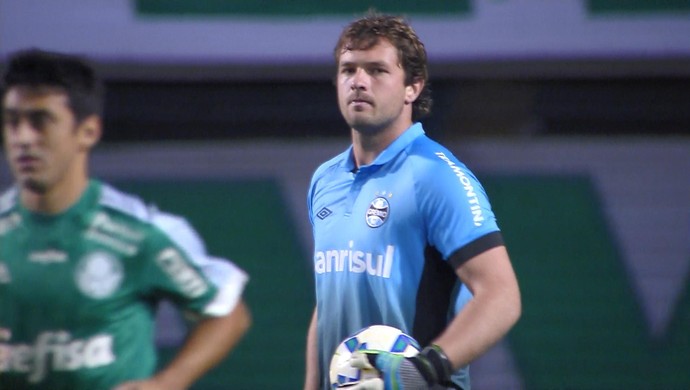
(366, 32)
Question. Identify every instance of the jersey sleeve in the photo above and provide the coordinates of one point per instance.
(460, 221)
(180, 269)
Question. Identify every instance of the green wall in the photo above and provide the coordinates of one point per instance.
(296, 8)
(637, 6)
(582, 325)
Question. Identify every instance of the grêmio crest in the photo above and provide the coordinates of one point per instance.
(378, 211)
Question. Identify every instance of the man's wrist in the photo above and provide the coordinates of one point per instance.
(438, 362)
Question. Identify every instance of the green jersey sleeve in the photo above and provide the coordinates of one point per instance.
(178, 267)
(172, 260)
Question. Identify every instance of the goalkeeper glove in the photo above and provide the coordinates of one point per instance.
(427, 369)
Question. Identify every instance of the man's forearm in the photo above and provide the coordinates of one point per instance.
(208, 343)
(312, 376)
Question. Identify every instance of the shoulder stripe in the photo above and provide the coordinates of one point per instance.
(124, 203)
(8, 199)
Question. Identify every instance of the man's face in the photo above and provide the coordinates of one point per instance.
(371, 88)
(41, 137)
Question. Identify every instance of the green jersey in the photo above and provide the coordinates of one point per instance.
(78, 290)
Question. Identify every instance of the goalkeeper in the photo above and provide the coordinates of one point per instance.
(404, 233)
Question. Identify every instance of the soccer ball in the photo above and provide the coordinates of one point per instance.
(375, 337)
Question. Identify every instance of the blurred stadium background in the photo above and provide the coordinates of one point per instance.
(575, 115)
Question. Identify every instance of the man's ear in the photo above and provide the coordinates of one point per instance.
(90, 131)
(413, 90)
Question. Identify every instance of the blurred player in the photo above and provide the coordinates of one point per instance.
(403, 231)
(83, 265)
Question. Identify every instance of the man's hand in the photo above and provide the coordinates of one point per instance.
(423, 371)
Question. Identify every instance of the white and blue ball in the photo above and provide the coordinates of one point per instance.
(375, 337)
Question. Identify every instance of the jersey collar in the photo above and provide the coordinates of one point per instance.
(391, 151)
(89, 197)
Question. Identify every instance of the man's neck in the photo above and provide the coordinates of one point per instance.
(55, 200)
(367, 146)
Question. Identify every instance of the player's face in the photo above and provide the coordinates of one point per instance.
(43, 143)
(372, 94)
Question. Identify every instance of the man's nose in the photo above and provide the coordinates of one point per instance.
(360, 79)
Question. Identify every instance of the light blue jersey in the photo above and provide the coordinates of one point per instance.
(388, 238)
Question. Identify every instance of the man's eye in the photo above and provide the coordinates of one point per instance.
(37, 120)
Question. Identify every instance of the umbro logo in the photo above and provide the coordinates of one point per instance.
(323, 213)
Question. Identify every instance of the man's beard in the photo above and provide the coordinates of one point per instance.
(367, 126)
(34, 185)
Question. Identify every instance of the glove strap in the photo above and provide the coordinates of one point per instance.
(439, 362)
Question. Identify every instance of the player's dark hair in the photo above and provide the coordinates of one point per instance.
(366, 32)
(75, 76)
